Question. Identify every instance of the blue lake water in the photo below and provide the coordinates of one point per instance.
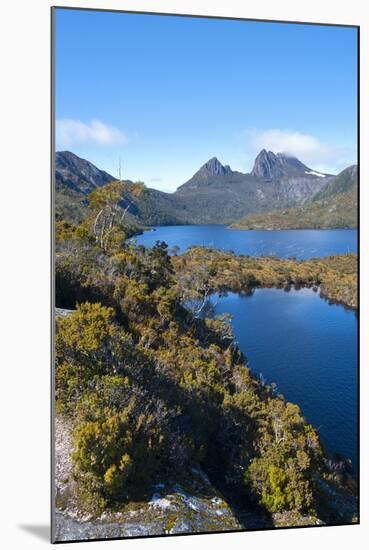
(309, 349)
(295, 339)
(299, 243)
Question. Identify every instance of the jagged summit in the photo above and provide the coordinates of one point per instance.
(212, 168)
(271, 166)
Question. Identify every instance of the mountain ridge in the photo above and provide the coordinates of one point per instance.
(271, 166)
(214, 194)
(212, 168)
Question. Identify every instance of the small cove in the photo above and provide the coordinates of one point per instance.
(308, 347)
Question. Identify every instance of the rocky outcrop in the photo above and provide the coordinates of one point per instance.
(270, 166)
(170, 510)
(64, 483)
(190, 506)
(210, 170)
(62, 312)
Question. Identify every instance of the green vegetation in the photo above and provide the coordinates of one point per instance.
(203, 271)
(344, 182)
(107, 224)
(70, 206)
(145, 412)
(153, 389)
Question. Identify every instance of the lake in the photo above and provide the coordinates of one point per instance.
(299, 243)
(295, 339)
(309, 349)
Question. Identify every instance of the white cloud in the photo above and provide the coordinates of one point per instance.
(307, 148)
(73, 132)
(285, 141)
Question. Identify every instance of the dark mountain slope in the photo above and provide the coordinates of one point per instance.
(78, 174)
(159, 208)
(75, 178)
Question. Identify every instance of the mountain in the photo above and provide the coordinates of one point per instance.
(271, 167)
(335, 206)
(344, 182)
(78, 174)
(217, 194)
(75, 178)
(298, 182)
(206, 175)
(214, 194)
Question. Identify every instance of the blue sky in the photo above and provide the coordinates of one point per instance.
(165, 94)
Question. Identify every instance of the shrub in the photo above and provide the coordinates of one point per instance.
(118, 452)
(88, 345)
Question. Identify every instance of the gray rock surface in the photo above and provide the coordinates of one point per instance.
(172, 508)
(61, 312)
(270, 166)
(212, 168)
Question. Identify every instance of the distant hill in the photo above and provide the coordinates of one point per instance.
(335, 206)
(215, 193)
(344, 182)
(78, 174)
(75, 178)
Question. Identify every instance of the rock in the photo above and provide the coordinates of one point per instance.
(162, 503)
(64, 484)
(271, 166)
(182, 526)
(212, 168)
(61, 312)
(192, 505)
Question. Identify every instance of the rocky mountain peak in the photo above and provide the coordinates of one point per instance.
(270, 166)
(264, 165)
(214, 168)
